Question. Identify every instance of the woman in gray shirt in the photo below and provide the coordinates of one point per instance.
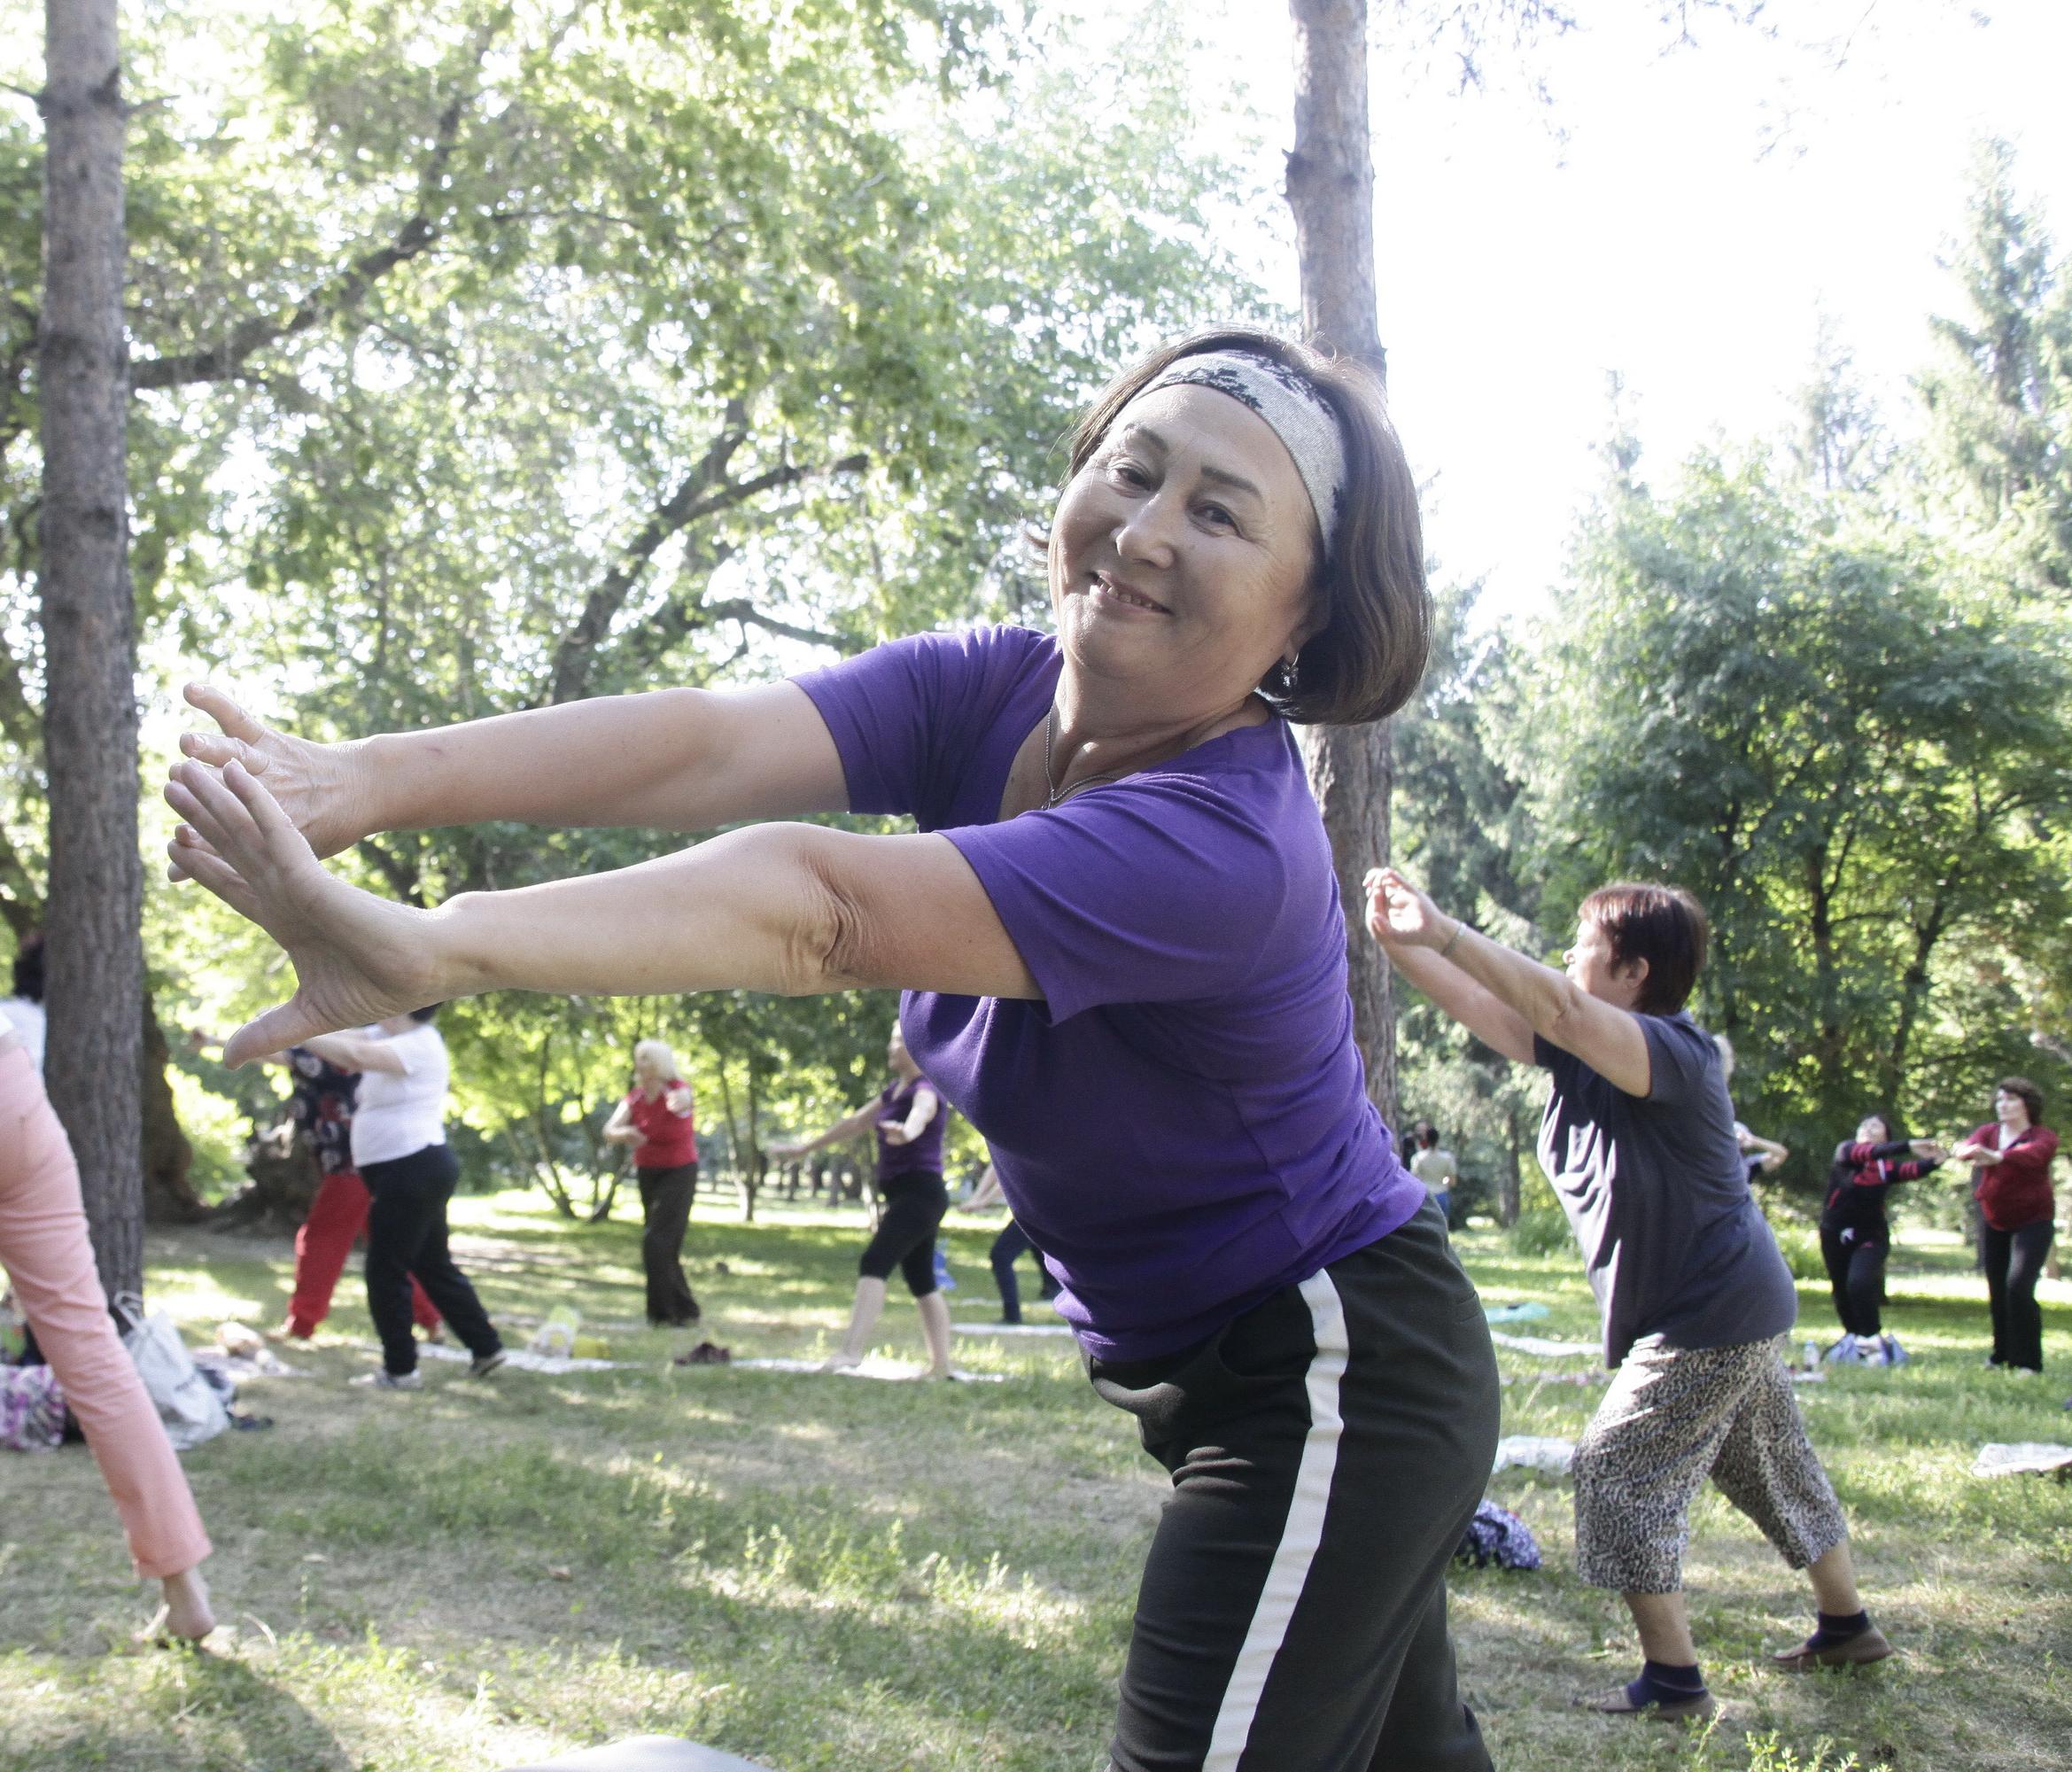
(1639, 1142)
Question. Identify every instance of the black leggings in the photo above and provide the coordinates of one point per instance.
(406, 1235)
(905, 1238)
(1856, 1271)
(2014, 1262)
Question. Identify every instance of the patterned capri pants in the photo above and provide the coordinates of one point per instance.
(1672, 1416)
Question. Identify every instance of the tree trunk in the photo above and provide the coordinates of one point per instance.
(93, 938)
(1331, 189)
(168, 1196)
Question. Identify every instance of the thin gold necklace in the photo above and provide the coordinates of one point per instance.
(1055, 794)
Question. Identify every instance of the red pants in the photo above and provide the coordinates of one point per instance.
(336, 1217)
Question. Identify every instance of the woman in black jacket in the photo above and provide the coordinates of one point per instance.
(1855, 1237)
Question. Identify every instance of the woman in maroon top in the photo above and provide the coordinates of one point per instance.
(908, 1119)
(2017, 1211)
(656, 1119)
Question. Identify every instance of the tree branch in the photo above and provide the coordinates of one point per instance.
(704, 493)
(341, 292)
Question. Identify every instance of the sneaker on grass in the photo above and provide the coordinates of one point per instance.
(484, 1364)
(382, 1378)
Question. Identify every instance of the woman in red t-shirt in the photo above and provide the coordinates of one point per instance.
(2017, 1212)
(656, 1119)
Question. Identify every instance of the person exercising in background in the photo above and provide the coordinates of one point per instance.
(908, 1119)
(1012, 1243)
(1435, 1166)
(1856, 1237)
(655, 1118)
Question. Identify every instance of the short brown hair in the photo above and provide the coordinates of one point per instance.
(1369, 656)
(1665, 925)
(2032, 1098)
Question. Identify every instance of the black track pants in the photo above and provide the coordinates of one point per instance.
(406, 1235)
(1856, 1274)
(1327, 1449)
(665, 1207)
(2014, 1262)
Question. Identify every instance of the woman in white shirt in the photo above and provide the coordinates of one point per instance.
(399, 1148)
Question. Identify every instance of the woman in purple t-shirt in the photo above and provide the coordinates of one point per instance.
(1119, 928)
(907, 1117)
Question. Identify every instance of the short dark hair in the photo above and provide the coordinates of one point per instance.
(1427, 1135)
(1368, 656)
(2032, 1098)
(28, 969)
(1665, 925)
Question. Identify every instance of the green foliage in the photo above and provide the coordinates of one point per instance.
(492, 354)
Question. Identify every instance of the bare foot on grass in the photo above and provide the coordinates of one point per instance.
(186, 1612)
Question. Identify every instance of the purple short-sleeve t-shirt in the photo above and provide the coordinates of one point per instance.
(1181, 1124)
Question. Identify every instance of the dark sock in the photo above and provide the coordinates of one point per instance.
(1662, 1683)
(1831, 1629)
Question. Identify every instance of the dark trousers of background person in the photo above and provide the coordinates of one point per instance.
(906, 1236)
(1327, 1449)
(2014, 1262)
(1856, 1271)
(407, 1235)
(665, 1203)
(1008, 1248)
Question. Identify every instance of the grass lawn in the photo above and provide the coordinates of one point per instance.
(825, 1573)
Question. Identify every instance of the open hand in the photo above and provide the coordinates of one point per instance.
(319, 786)
(1399, 915)
(358, 959)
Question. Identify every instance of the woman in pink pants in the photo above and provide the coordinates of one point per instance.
(43, 1246)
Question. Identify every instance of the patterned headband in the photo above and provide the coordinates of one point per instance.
(1289, 401)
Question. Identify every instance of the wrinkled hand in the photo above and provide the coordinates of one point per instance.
(358, 959)
(319, 786)
(1399, 915)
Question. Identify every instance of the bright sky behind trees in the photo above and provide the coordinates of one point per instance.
(1683, 215)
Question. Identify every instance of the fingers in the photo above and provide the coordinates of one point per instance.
(287, 1025)
(229, 809)
(219, 707)
(266, 811)
(215, 873)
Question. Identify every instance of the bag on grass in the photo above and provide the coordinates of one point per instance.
(556, 1337)
(32, 1409)
(188, 1403)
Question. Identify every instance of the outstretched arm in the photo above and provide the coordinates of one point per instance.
(847, 1127)
(1512, 999)
(353, 1052)
(794, 909)
(675, 759)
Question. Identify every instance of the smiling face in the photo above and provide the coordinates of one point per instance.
(1181, 553)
